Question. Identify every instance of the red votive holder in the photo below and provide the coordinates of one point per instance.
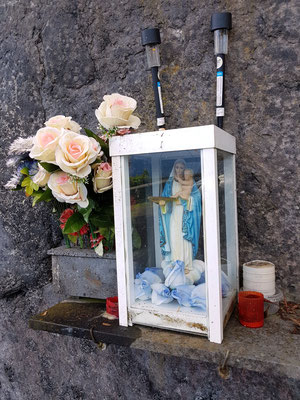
(251, 309)
(112, 306)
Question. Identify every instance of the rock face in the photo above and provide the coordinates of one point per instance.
(61, 58)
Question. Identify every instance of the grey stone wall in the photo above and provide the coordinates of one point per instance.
(61, 57)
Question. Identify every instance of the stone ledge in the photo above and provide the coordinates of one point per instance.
(78, 252)
(271, 349)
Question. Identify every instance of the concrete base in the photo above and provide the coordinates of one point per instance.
(271, 350)
(80, 272)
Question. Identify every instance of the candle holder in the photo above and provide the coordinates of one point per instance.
(251, 309)
(112, 306)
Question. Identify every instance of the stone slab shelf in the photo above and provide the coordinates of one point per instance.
(83, 319)
(272, 349)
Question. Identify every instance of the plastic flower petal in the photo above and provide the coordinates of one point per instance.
(41, 177)
(161, 294)
(142, 289)
(182, 294)
(142, 284)
(198, 297)
(60, 121)
(76, 152)
(116, 110)
(67, 190)
(45, 143)
(176, 276)
(102, 179)
(157, 271)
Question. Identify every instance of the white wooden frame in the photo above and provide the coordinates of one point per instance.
(207, 139)
(212, 244)
(198, 137)
(119, 239)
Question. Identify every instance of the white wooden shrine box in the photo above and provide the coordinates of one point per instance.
(142, 170)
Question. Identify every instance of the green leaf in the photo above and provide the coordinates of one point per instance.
(47, 195)
(72, 239)
(26, 182)
(100, 221)
(49, 167)
(28, 190)
(104, 232)
(104, 146)
(85, 212)
(25, 171)
(109, 211)
(34, 186)
(136, 239)
(74, 223)
(42, 195)
(29, 182)
(36, 198)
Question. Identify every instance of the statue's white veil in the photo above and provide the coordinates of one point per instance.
(179, 161)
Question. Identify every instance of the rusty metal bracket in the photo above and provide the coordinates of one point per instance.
(223, 369)
(102, 346)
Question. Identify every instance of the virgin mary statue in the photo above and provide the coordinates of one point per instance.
(179, 223)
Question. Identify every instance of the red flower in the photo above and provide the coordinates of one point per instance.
(84, 229)
(66, 214)
(95, 241)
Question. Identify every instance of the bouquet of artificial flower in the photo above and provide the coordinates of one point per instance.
(73, 170)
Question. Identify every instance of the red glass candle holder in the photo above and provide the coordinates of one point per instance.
(112, 306)
(251, 309)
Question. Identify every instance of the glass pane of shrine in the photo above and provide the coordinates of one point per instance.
(167, 232)
(227, 226)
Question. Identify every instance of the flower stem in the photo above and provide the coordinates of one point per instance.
(67, 241)
(80, 241)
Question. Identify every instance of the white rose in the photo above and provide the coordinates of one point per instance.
(75, 152)
(67, 190)
(60, 121)
(41, 177)
(44, 144)
(102, 179)
(116, 110)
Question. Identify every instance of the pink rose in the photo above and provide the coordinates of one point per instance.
(45, 143)
(116, 110)
(60, 121)
(104, 167)
(76, 152)
(102, 179)
(67, 190)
